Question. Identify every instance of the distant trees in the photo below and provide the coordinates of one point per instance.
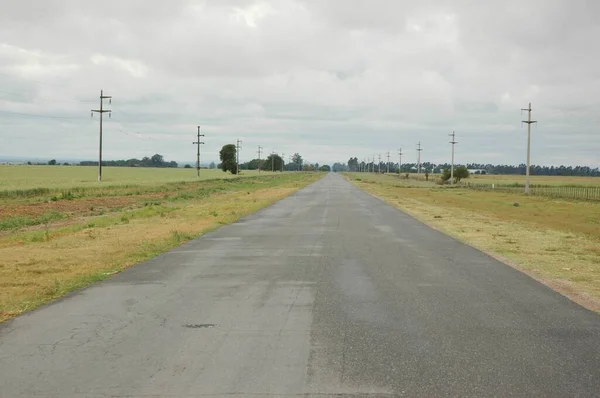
(254, 164)
(297, 162)
(187, 166)
(273, 162)
(212, 165)
(156, 160)
(337, 167)
(479, 168)
(228, 158)
(325, 168)
(353, 164)
(52, 162)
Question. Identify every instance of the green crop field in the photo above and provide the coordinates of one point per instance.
(65, 177)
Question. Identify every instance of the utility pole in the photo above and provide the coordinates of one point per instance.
(272, 161)
(399, 160)
(282, 161)
(101, 111)
(373, 165)
(259, 152)
(198, 143)
(238, 147)
(528, 121)
(453, 142)
(388, 163)
(379, 165)
(419, 150)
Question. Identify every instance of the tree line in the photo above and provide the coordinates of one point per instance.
(477, 168)
(156, 160)
(273, 162)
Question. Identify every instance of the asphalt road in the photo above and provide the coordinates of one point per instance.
(329, 292)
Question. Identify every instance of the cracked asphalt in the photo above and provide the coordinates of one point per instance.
(329, 292)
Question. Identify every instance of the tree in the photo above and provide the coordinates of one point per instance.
(187, 166)
(273, 162)
(212, 165)
(460, 172)
(297, 161)
(52, 162)
(353, 164)
(254, 164)
(228, 160)
(446, 175)
(157, 160)
(325, 168)
(339, 167)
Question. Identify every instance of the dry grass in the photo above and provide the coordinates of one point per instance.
(555, 241)
(40, 265)
(537, 180)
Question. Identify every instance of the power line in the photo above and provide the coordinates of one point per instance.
(42, 116)
(36, 98)
(101, 111)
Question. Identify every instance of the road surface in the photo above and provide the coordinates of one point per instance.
(330, 292)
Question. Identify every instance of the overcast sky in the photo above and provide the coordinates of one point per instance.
(329, 79)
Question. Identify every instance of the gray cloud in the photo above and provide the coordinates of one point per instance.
(330, 79)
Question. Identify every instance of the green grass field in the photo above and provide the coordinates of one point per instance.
(65, 177)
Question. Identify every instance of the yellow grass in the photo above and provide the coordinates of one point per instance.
(555, 241)
(40, 265)
(537, 180)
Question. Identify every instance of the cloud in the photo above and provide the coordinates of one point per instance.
(330, 79)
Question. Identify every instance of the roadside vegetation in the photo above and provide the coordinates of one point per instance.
(556, 241)
(55, 240)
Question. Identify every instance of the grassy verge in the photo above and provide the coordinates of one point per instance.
(40, 264)
(555, 241)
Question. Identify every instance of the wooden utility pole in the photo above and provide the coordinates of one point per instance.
(238, 147)
(272, 161)
(101, 111)
(198, 143)
(259, 152)
(388, 162)
(529, 122)
(419, 150)
(453, 142)
(399, 160)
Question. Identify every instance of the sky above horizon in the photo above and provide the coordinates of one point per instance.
(328, 79)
